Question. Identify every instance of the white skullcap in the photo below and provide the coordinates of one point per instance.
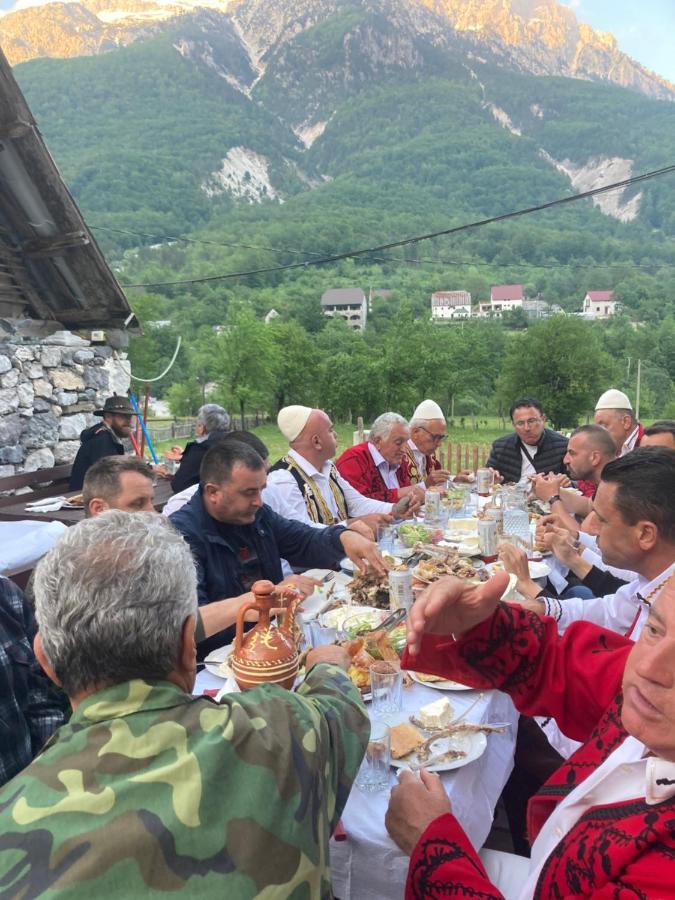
(613, 399)
(292, 419)
(428, 409)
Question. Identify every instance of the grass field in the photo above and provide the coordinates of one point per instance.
(277, 446)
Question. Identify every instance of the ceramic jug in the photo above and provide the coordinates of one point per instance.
(267, 653)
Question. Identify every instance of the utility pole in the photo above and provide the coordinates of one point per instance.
(637, 391)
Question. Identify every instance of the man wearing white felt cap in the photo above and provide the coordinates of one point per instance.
(306, 486)
(614, 411)
(427, 432)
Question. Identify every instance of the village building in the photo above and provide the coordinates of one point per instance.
(349, 303)
(599, 305)
(450, 305)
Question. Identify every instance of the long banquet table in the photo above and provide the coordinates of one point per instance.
(368, 865)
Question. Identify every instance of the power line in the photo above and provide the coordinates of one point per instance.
(338, 257)
(424, 260)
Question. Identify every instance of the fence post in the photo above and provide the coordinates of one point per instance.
(475, 457)
(459, 457)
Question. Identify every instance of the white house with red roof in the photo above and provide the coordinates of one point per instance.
(599, 304)
(503, 298)
(450, 305)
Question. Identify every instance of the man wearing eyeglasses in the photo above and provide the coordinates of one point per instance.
(427, 433)
(531, 449)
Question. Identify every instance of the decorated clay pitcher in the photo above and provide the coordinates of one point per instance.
(267, 653)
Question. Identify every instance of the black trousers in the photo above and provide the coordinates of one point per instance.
(535, 761)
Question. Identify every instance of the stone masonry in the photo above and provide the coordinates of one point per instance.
(49, 389)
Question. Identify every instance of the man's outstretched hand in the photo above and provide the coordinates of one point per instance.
(453, 606)
(414, 804)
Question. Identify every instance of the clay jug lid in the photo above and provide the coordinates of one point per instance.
(263, 587)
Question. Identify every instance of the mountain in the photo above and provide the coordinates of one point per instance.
(537, 36)
(269, 135)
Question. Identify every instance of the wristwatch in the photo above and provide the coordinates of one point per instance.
(554, 499)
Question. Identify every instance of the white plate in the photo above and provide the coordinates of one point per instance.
(445, 685)
(537, 569)
(472, 744)
(213, 662)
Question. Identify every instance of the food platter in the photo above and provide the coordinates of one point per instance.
(444, 684)
(470, 745)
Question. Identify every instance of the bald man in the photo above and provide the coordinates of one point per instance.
(306, 486)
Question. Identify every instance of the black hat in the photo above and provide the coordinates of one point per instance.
(116, 406)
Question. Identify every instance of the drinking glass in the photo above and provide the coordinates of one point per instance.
(386, 536)
(374, 774)
(386, 683)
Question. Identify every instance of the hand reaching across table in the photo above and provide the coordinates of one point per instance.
(452, 606)
(363, 552)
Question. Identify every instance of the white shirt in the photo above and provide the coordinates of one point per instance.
(284, 496)
(625, 775)
(387, 472)
(527, 468)
(629, 443)
(178, 500)
(623, 612)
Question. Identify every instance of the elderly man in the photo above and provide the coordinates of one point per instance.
(634, 520)
(305, 485)
(212, 423)
(148, 789)
(531, 449)
(104, 439)
(374, 467)
(602, 824)
(660, 434)
(614, 412)
(31, 708)
(236, 539)
(427, 432)
(589, 449)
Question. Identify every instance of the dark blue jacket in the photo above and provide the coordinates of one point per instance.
(218, 564)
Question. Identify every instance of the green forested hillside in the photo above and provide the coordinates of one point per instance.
(410, 146)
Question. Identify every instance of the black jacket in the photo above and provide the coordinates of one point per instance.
(191, 461)
(216, 553)
(95, 442)
(505, 455)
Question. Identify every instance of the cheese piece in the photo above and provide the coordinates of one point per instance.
(438, 714)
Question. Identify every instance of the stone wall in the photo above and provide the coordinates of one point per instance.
(49, 389)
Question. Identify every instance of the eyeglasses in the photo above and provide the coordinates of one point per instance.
(435, 437)
(527, 423)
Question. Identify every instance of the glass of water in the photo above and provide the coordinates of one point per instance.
(386, 538)
(374, 774)
(386, 685)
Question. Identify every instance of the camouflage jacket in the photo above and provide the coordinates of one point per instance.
(150, 790)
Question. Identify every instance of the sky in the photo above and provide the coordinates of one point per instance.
(645, 29)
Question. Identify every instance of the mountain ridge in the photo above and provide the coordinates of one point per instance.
(537, 36)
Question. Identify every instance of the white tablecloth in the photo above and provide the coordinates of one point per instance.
(22, 544)
(368, 865)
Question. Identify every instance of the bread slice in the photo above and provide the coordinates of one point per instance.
(404, 739)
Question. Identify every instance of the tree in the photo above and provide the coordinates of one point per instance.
(561, 362)
(297, 372)
(246, 360)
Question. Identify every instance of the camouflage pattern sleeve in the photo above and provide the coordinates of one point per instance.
(148, 790)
